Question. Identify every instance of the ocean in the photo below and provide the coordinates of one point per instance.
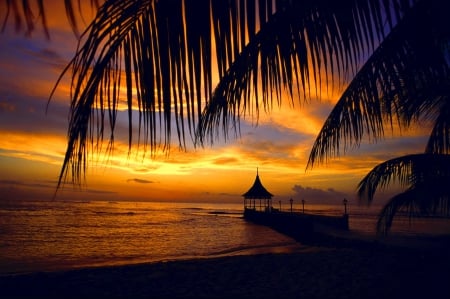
(61, 235)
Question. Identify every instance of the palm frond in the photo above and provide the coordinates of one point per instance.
(389, 211)
(404, 78)
(24, 11)
(162, 51)
(427, 198)
(303, 43)
(409, 171)
(439, 141)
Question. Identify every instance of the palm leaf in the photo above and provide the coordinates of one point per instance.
(302, 44)
(162, 51)
(430, 197)
(24, 12)
(439, 141)
(410, 170)
(406, 77)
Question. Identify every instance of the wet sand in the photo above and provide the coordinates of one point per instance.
(349, 271)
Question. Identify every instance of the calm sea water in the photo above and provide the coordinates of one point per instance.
(43, 236)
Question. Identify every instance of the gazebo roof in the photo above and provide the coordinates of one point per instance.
(257, 191)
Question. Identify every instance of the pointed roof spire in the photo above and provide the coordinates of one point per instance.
(257, 191)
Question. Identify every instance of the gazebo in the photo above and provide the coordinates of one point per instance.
(257, 191)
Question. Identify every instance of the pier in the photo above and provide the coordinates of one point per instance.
(300, 226)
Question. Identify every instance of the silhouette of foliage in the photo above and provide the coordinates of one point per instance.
(159, 57)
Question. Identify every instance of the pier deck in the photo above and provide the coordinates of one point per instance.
(299, 226)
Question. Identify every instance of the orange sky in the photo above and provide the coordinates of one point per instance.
(33, 142)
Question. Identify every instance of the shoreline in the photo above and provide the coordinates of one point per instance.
(326, 241)
(290, 247)
(325, 272)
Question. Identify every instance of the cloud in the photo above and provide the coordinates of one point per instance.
(318, 195)
(74, 190)
(50, 57)
(271, 139)
(23, 113)
(140, 181)
(16, 183)
(225, 160)
(7, 107)
(96, 191)
(146, 169)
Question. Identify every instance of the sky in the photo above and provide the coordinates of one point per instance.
(33, 141)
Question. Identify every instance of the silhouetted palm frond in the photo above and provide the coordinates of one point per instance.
(301, 45)
(405, 78)
(159, 57)
(428, 198)
(161, 51)
(425, 177)
(31, 12)
(407, 171)
(439, 141)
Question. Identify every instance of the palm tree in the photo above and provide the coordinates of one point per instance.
(426, 177)
(407, 78)
(164, 52)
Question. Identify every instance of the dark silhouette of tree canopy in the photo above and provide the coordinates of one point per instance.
(405, 80)
(159, 56)
(164, 53)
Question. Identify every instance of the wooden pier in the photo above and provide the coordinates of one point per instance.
(300, 226)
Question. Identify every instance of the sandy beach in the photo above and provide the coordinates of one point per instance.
(320, 272)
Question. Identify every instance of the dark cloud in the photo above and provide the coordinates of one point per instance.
(393, 146)
(222, 195)
(10, 182)
(50, 57)
(271, 142)
(318, 195)
(234, 195)
(273, 132)
(7, 107)
(80, 190)
(140, 181)
(27, 76)
(69, 187)
(146, 169)
(96, 191)
(21, 112)
(16, 183)
(225, 160)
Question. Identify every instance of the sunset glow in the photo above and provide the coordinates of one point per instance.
(34, 141)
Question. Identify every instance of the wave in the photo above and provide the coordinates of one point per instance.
(223, 213)
(158, 222)
(115, 213)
